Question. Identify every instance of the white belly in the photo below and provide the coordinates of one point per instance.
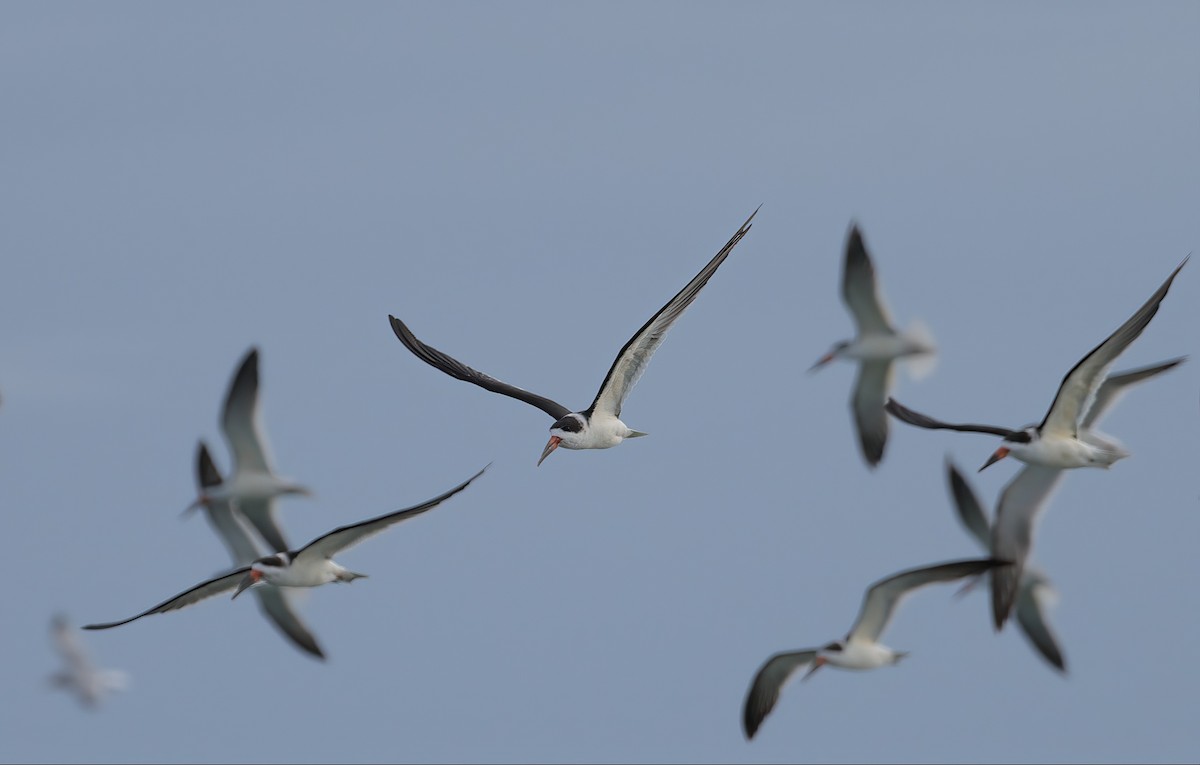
(861, 655)
(1065, 453)
(601, 433)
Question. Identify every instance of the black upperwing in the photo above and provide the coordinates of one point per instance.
(458, 370)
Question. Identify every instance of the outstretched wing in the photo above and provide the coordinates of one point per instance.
(328, 545)
(768, 683)
(202, 591)
(631, 362)
(240, 419)
(1012, 533)
(458, 370)
(860, 288)
(904, 414)
(1080, 384)
(882, 597)
(1114, 385)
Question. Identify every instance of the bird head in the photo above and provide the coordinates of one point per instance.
(1013, 442)
(566, 430)
(833, 353)
(262, 570)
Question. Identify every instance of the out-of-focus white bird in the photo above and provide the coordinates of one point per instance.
(253, 485)
(89, 683)
(876, 346)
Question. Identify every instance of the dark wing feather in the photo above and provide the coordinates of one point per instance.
(344, 537)
(904, 414)
(200, 592)
(458, 370)
(631, 362)
(275, 606)
(970, 510)
(1079, 386)
(764, 691)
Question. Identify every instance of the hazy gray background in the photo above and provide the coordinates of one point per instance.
(525, 184)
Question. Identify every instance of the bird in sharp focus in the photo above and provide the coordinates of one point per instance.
(1056, 441)
(309, 566)
(598, 426)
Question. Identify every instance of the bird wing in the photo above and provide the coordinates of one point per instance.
(1115, 384)
(768, 683)
(207, 474)
(1012, 533)
(631, 362)
(221, 516)
(275, 605)
(233, 532)
(870, 419)
(880, 601)
(1032, 618)
(904, 414)
(970, 511)
(1079, 386)
(342, 538)
(456, 369)
(860, 288)
(240, 419)
(200, 592)
(261, 515)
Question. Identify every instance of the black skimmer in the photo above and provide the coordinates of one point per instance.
(860, 649)
(1034, 590)
(598, 426)
(239, 540)
(253, 486)
(1055, 442)
(876, 345)
(89, 683)
(1022, 499)
(309, 566)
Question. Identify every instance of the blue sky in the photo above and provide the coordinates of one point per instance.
(524, 184)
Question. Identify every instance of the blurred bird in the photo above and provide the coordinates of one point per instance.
(860, 649)
(89, 683)
(876, 345)
(253, 486)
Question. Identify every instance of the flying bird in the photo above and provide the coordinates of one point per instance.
(1033, 588)
(1055, 442)
(253, 486)
(860, 649)
(875, 346)
(599, 426)
(89, 683)
(239, 539)
(310, 566)
(1022, 499)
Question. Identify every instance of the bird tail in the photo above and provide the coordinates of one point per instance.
(920, 365)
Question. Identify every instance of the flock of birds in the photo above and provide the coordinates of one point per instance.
(240, 506)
